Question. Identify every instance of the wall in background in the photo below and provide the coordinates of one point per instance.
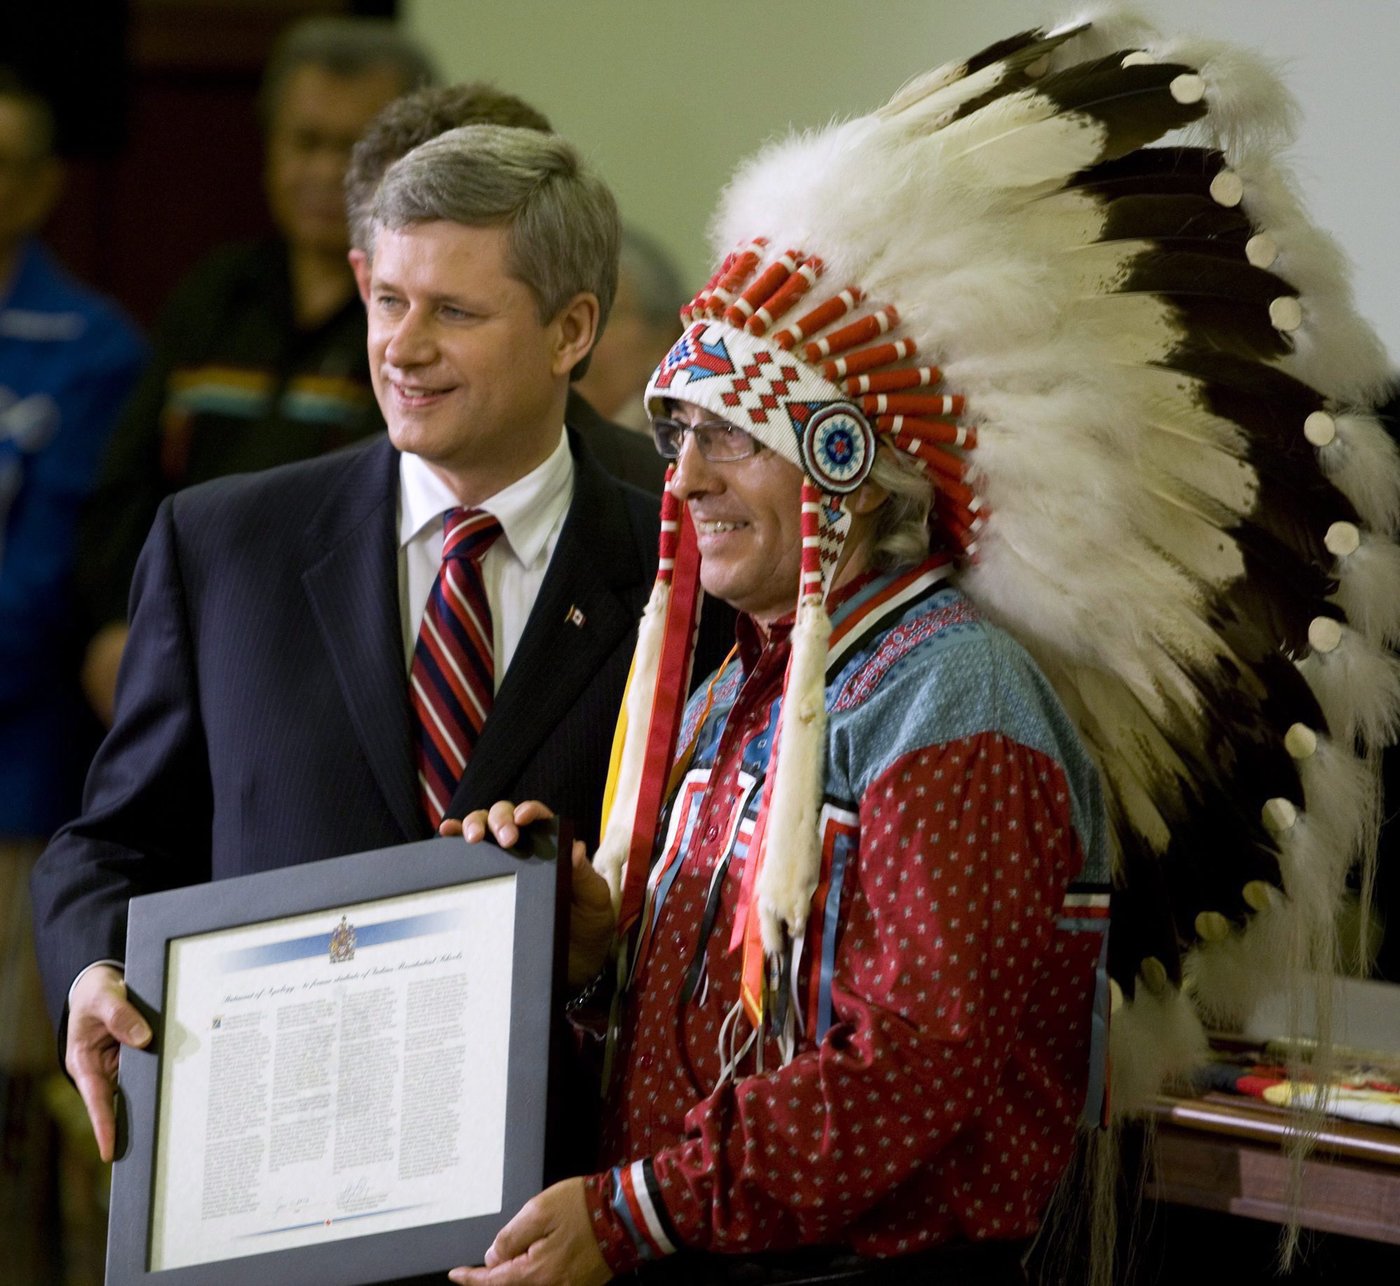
(165, 154)
(665, 96)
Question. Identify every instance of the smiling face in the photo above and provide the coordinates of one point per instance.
(466, 374)
(748, 524)
(747, 516)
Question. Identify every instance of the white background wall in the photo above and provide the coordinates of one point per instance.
(666, 96)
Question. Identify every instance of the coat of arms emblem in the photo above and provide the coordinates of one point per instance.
(342, 942)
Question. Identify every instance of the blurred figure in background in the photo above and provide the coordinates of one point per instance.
(68, 359)
(260, 353)
(415, 118)
(644, 325)
(408, 121)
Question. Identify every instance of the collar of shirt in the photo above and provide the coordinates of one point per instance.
(531, 512)
(753, 638)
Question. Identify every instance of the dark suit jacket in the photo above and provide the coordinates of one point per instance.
(628, 456)
(263, 716)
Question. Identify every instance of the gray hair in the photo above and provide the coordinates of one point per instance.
(562, 222)
(655, 281)
(901, 523)
(344, 46)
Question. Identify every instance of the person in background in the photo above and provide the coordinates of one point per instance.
(260, 352)
(417, 117)
(68, 358)
(642, 328)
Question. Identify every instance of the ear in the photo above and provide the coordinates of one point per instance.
(866, 498)
(359, 265)
(576, 329)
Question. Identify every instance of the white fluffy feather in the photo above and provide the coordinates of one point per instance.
(1156, 1035)
(1342, 795)
(1357, 685)
(1363, 462)
(1285, 942)
(1369, 590)
(789, 874)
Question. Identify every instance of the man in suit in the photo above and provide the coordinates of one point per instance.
(264, 714)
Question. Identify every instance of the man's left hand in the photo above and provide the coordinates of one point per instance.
(549, 1243)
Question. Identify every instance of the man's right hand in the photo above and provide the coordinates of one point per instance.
(591, 920)
(101, 1020)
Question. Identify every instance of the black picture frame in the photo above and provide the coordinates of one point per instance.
(340, 884)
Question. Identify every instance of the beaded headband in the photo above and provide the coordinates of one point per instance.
(825, 387)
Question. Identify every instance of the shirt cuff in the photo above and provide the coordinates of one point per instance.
(629, 1217)
(118, 965)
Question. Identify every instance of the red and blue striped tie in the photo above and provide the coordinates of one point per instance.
(453, 673)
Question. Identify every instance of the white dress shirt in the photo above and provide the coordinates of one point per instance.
(531, 512)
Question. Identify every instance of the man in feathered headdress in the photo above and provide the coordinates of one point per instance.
(857, 1086)
(861, 972)
(860, 882)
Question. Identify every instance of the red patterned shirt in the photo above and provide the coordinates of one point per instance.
(942, 997)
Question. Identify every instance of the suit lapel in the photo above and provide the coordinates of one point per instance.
(578, 620)
(354, 592)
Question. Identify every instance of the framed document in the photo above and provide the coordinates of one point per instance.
(349, 1072)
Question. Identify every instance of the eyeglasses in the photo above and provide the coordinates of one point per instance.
(717, 440)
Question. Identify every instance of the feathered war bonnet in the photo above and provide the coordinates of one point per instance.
(1134, 375)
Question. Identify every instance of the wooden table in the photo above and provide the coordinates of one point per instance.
(1222, 1153)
